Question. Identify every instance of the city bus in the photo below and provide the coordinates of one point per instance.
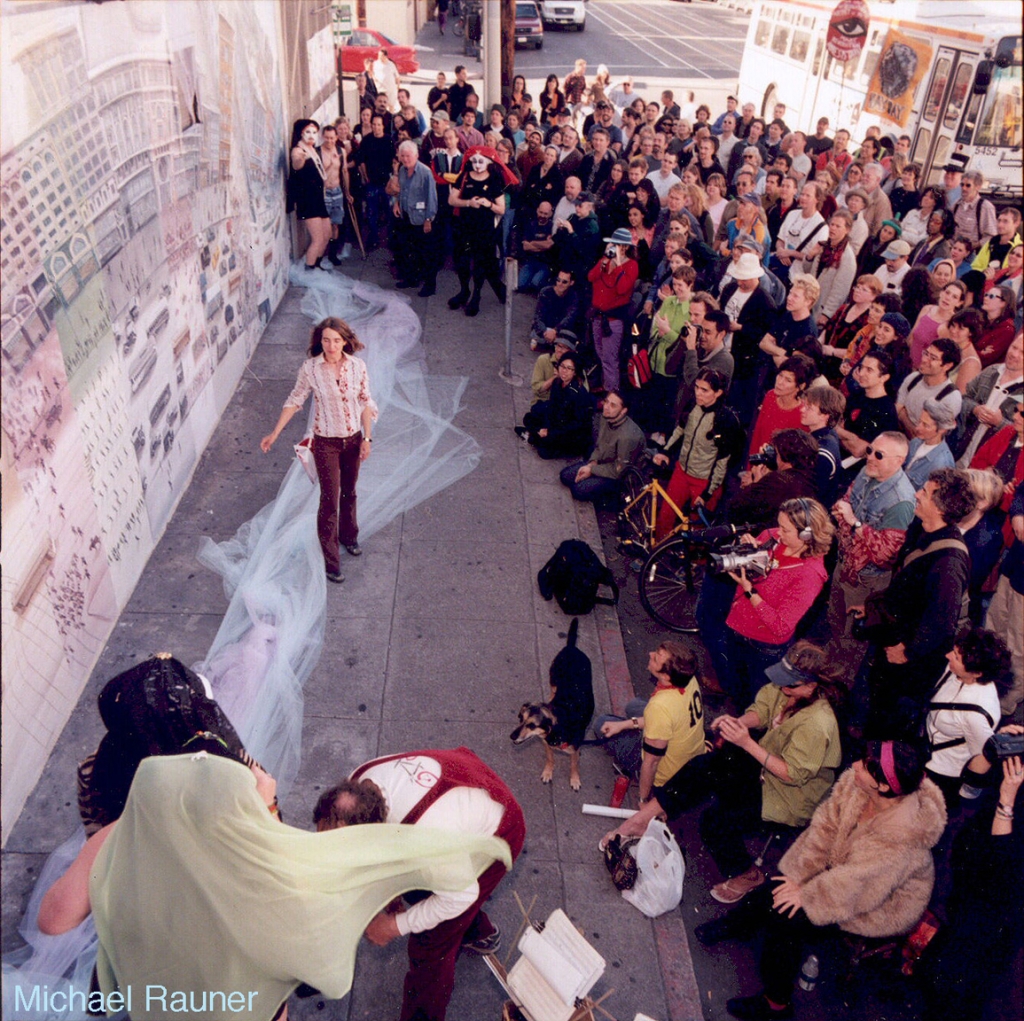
(965, 96)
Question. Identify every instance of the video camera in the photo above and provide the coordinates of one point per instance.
(767, 456)
(757, 561)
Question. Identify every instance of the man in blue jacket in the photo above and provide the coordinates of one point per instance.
(415, 207)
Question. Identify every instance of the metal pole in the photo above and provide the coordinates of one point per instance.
(491, 43)
(511, 279)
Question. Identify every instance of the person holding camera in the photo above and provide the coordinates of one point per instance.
(612, 279)
(703, 340)
(771, 599)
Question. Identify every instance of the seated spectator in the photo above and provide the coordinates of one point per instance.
(536, 243)
(558, 307)
(821, 410)
(618, 443)
(702, 446)
(765, 490)
(933, 320)
(990, 400)
(781, 406)
(914, 622)
(864, 865)
(963, 713)
(964, 330)
(561, 425)
(660, 734)
(972, 955)
(767, 787)
(544, 368)
(998, 306)
(931, 381)
(928, 449)
(765, 613)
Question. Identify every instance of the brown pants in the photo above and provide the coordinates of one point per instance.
(337, 466)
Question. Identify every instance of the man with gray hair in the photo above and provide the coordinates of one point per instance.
(975, 217)
(878, 208)
(415, 207)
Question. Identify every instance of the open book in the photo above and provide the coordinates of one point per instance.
(558, 967)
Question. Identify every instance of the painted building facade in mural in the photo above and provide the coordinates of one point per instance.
(144, 248)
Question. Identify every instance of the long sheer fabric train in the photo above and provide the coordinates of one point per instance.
(271, 637)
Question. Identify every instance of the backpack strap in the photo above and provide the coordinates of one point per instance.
(935, 547)
(955, 742)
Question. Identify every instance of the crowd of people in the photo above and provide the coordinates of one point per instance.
(807, 341)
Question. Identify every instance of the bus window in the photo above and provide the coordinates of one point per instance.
(763, 33)
(924, 139)
(970, 120)
(870, 63)
(780, 41)
(1000, 121)
(819, 48)
(801, 44)
(955, 106)
(939, 79)
(942, 149)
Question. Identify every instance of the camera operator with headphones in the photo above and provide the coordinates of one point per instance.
(771, 598)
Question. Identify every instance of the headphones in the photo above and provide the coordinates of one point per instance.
(806, 534)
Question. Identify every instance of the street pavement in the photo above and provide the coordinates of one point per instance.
(435, 639)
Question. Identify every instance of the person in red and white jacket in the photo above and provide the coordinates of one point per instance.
(612, 279)
(450, 790)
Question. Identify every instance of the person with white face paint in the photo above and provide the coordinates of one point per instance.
(479, 202)
(306, 189)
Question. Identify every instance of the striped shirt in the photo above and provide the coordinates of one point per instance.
(340, 401)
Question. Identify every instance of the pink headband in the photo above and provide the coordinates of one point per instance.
(889, 768)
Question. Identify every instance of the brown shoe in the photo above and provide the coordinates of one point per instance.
(732, 891)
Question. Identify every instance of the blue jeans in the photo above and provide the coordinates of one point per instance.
(748, 660)
(534, 274)
(376, 208)
(625, 747)
(589, 489)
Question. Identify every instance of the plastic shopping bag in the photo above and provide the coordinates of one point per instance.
(659, 887)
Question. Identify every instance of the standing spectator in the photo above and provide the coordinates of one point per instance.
(306, 189)
(833, 264)
(374, 158)
(536, 243)
(975, 217)
(932, 381)
(612, 279)
(997, 305)
(836, 156)
(345, 413)
(781, 406)
(928, 449)
(415, 208)
(618, 443)
(437, 97)
(596, 165)
(915, 222)
(457, 93)
(748, 308)
(575, 84)
(802, 229)
(895, 267)
(578, 238)
(821, 410)
(469, 137)
(387, 78)
(990, 401)
(872, 519)
(1006, 610)
(433, 141)
(997, 248)
(819, 142)
(703, 341)
(783, 206)
(916, 619)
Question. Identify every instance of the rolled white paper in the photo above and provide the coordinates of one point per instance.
(608, 813)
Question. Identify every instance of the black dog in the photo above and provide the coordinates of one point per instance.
(563, 721)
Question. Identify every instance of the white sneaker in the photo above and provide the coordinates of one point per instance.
(346, 251)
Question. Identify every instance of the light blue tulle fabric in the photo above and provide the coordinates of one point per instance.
(270, 639)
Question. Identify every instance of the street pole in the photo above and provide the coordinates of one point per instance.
(511, 279)
(491, 44)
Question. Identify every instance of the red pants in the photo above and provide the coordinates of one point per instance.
(337, 467)
(682, 489)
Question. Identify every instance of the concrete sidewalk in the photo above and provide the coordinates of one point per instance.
(435, 639)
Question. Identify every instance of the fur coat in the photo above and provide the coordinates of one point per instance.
(874, 879)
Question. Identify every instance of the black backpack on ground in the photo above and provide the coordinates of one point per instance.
(573, 576)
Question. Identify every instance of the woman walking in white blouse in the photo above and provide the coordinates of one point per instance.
(343, 420)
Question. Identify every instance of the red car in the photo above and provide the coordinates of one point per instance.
(365, 42)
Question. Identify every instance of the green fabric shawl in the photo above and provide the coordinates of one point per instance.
(198, 888)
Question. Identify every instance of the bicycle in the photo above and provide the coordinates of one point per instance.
(671, 577)
(638, 519)
(458, 18)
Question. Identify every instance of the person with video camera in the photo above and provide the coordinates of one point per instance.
(778, 576)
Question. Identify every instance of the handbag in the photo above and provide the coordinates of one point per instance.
(304, 452)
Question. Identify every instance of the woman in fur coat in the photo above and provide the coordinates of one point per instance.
(864, 865)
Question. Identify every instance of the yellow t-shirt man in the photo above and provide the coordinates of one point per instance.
(675, 715)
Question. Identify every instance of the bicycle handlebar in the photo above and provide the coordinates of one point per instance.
(715, 532)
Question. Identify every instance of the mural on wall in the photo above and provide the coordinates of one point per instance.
(144, 246)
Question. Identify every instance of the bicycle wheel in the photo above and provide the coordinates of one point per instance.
(635, 516)
(670, 583)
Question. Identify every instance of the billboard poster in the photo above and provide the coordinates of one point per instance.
(903, 63)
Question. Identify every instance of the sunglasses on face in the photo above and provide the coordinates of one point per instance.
(879, 455)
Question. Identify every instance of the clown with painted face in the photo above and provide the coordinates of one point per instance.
(479, 202)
